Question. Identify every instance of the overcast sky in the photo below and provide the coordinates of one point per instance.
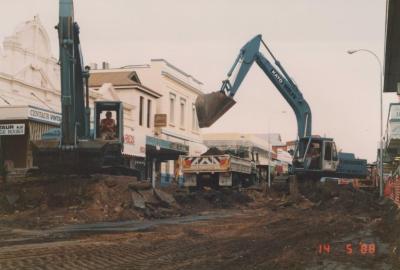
(203, 38)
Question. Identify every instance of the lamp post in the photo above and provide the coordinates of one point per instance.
(381, 119)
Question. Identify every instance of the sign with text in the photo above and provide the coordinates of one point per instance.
(12, 129)
(44, 116)
(129, 139)
(160, 120)
(395, 112)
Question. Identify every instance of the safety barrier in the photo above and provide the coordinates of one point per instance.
(392, 190)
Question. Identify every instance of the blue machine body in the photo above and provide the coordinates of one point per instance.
(73, 148)
(210, 107)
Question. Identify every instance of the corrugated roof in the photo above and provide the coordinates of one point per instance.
(120, 78)
(116, 78)
(392, 48)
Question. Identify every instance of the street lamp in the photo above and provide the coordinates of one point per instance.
(381, 119)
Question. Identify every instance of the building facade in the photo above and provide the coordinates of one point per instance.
(29, 91)
(160, 121)
(176, 130)
(138, 123)
(30, 98)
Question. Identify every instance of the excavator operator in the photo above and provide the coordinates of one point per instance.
(313, 156)
(108, 127)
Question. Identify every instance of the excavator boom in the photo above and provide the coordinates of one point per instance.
(71, 148)
(210, 107)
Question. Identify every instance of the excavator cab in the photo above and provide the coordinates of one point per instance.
(108, 124)
(315, 154)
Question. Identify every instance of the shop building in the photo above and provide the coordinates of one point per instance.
(176, 131)
(138, 123)
(30, 97)
(29, 92)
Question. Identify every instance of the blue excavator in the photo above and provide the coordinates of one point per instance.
(75, 147)
(314, 156)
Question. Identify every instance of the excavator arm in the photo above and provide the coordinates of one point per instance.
(210, 107)
(75, 122)
(73, 149)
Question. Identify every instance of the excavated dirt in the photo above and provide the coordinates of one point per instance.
(329, 227)
(50, 202)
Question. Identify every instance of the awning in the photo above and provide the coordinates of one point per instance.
(392, 47)
(165, 150)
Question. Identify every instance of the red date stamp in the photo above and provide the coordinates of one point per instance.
(361, 248)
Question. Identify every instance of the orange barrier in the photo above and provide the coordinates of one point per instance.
(392, 189)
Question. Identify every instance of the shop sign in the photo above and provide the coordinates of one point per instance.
(44, 116)
(12, 129)
(395, 112)
(129, 139)
(160, 120)
(179, 147)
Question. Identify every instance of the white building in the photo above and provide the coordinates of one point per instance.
(138, 123)
(173, 118)
(29, 91)
(30, 97)
(160, 121)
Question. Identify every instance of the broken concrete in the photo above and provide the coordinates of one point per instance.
(164, 197)
(138, 200)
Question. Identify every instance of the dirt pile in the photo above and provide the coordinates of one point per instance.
(342, 197)
(51, 202)
(57, 201)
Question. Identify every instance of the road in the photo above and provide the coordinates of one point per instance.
(272, 236)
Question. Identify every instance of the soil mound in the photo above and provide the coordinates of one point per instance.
(342, 197)
(57, 201)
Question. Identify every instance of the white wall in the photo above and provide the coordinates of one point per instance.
(169, 80)
(30, 75)
(27, 66)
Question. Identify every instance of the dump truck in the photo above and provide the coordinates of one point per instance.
(217, 169)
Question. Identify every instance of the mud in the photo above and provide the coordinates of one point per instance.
(331, 227)
(44, 203)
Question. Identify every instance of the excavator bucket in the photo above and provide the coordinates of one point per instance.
(210, 107)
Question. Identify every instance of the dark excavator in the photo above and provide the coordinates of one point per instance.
(76, 148)
(315, 156)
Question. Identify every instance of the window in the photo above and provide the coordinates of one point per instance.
(194, 118)
(328, 151)
(172, 108)
(334, 152)
(148, 112)
(141, 111)
(183, 105)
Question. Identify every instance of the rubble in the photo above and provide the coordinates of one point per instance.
(164, 197)
(288, 228)
(138, 200)
(52, 202)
